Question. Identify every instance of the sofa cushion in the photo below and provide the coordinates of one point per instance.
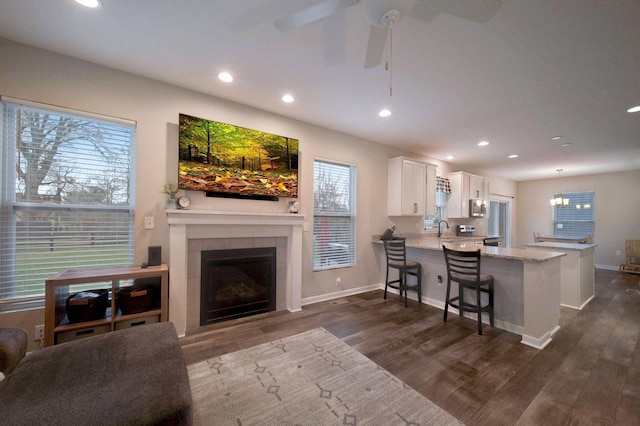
(132, 376)
(13, 346)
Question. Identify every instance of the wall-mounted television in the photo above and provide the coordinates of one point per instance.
(235, 162)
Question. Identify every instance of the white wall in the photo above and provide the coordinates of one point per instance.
(617, 208)
(41, 76)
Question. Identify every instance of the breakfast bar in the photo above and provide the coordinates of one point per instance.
(527, 283)
(577, 286)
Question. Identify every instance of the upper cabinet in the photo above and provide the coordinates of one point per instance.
(476, 187)
(464, 187)
(430, 204)
(407, 187)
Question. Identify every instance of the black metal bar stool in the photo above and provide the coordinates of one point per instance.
(463, 267)
(396, 252)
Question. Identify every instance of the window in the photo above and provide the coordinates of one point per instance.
(576, 219)
(334, 215)
(67, 196)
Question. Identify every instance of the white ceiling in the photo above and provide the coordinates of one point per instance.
(537, 69)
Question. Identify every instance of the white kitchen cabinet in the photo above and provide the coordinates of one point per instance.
(406, 189)
(430, 203)
(476, 187)
(465, 186)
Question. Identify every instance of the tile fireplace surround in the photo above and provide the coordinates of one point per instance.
(217, 229)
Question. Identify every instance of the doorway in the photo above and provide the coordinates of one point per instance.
(499, 219)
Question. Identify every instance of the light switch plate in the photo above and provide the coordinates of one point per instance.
(149, 222)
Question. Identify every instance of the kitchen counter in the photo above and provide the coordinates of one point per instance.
(527, 282)
(474, 243)
(578, 271)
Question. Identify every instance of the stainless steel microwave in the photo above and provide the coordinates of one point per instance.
(477, 207)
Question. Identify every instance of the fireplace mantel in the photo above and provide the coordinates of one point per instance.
(197, 224)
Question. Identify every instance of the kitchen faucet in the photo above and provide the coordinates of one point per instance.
(440, 228)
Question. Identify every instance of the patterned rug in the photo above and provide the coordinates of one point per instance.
(312, 378)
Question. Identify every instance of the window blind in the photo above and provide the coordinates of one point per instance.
(334, 215)
(578, 218)
(497, 221)
(67, 196)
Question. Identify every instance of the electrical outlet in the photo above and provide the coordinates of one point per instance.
(39, 333)
(618, 253)
(338, 281)
(440, 279)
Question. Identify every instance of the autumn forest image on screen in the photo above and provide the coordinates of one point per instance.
(223, 158)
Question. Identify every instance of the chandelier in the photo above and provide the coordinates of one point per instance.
(559, 200)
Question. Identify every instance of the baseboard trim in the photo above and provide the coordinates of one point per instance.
(338, 294)
(608, 267)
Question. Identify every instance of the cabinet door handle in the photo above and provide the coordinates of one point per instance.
(415, 207)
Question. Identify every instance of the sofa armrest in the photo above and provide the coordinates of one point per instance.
(13, 347)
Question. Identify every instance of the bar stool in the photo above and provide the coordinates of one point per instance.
(396, 252)
(463, 267)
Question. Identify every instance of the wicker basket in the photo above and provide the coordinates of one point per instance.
(87, 305)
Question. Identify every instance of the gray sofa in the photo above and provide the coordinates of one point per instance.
(136, 376)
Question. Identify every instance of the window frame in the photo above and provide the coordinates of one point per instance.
(556, 210)
(12, 209)
(322, 261)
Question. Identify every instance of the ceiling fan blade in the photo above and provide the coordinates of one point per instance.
(375, 46)
(473, 10)
(312, 14)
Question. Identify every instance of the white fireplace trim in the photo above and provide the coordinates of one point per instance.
(197, 224)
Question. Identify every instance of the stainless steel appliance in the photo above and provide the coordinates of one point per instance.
(477, 207)
(465, 230)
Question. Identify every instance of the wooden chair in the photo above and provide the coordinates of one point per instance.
(396, 253)
(463, 267)
(632, 265)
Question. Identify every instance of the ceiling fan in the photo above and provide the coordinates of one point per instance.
(383, 14)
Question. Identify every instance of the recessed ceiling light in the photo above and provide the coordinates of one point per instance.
(288, 99)
(90, 3)
(483, 143)
(566, 144)
(556, 138)
(384, 113)
(226, 77)
(450, 157)
(513, 156)
(634, 109)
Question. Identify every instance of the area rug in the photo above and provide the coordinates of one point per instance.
(312, 378)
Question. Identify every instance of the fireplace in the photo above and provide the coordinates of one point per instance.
(193, 231)
(237, 283)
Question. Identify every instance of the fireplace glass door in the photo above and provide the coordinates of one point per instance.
(237, 283)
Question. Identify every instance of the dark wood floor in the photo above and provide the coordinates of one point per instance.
(588, 375)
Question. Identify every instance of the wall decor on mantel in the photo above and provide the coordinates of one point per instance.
(235, 162)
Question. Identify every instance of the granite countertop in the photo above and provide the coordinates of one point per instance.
(469, 244)
(561, 246)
